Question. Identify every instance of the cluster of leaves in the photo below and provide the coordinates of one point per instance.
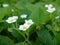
(43, 32)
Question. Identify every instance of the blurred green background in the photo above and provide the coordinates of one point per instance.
(45, 31)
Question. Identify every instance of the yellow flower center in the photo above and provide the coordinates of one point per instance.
(24, 27)
(49, 6)
(28, 23)
(51, 10)
(11, 20)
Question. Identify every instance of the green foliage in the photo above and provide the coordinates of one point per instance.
(17, 35)
(44, 31)
(5, 40)
(21, 43)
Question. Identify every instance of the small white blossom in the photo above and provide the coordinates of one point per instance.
(15, 17)
(26, 25)
(51, 10)
(29, 22)
(23, 27)
(12, 19)
(49, 6)
(23, 16)
(5, 5)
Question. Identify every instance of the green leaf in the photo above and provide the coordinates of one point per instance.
(41, 16)
(46, 38)
(21, 43)
(57, 36)
(5, 40)
(17, 35)
(58, 2)
(32, 0)
(38, 16)
(21, 4)
(4, 12)
(38, 42)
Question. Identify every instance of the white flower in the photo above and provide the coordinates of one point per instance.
(29, 22)
(5, 5)
(15, 17)
(57, 17)
(23, 27)
(51, 10)
(12, 19)
(49, 6)
(23, 16)
(26, 25)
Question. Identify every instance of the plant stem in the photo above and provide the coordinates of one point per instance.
(16, 25)
(21, 33)
(18, 30)
(27, 33)
(51, 21)
(13, 26)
